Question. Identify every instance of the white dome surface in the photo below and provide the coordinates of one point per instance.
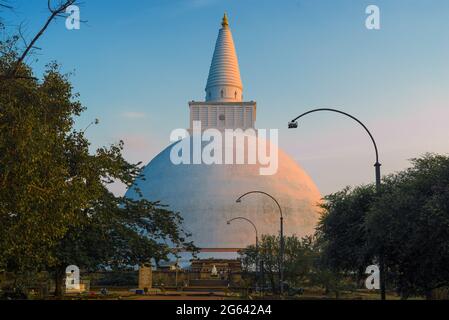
(205, 196)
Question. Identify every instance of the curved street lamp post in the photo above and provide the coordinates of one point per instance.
(294, 124)
(281, 253)
(257, 241)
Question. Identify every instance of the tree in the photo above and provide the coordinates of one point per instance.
(298, 259)
(119, 233)
(342, 231)
(268, 254)
(411, 220)
(40, 193)
(55, 208)
(408, 221)
(326, 275)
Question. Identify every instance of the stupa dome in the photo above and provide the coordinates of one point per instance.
(205, 195)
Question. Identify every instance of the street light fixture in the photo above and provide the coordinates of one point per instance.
(294, 124)
(281, 254)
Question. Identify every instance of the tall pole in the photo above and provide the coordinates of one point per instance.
(257, 257)
(281, 262)
(281, 240)
(257, 263)
(382, 278)
(257, 241)
(294, 124)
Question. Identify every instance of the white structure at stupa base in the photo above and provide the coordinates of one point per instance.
(205, 194)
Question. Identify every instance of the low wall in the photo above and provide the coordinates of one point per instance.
(184, 278)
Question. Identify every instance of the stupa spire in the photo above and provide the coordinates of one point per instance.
(225, 22)
(224, 83)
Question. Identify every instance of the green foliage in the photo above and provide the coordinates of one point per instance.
(342, 231)
(44, 181)
(55, 208)
(118, 233)
(408, 222)
(331, 281)
(411, 222)
(299, 256)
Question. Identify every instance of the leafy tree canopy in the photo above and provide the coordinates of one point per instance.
(408, 222)
(55, 206)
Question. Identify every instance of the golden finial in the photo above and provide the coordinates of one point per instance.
(225, 22)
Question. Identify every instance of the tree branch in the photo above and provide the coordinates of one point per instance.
(54, 14)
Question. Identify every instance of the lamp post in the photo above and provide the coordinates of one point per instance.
(294, 124)
(281, 253)
(257, 242)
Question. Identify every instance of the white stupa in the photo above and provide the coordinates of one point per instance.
(205, 194)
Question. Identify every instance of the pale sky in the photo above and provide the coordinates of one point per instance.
(138, 63)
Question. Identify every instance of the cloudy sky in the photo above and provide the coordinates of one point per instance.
(137, 64)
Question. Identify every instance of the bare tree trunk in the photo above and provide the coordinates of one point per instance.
(59, 282)
(273, 283)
